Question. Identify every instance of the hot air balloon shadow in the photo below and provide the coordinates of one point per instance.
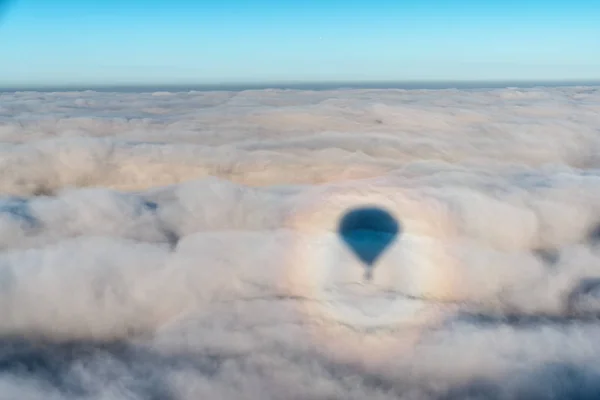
(368, 232)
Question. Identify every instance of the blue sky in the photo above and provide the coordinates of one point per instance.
(114, 42)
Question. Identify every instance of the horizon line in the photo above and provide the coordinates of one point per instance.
(306, 85)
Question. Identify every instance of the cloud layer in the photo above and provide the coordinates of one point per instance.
(184, 245)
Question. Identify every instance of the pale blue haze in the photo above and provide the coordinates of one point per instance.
(117, 42)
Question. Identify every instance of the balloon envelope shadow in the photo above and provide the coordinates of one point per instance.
(368, 232)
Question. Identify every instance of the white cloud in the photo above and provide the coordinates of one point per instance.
(182, 246)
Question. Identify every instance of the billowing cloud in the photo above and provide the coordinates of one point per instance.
(185, 245)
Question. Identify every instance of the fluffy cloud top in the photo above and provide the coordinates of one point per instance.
(183, 245)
